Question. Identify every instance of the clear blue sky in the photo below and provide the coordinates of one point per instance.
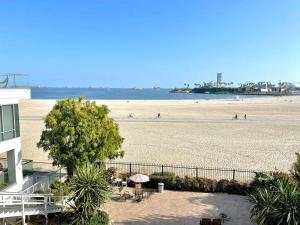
(145, 43)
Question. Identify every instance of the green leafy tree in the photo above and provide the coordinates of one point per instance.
(90, 190)
(79, 131)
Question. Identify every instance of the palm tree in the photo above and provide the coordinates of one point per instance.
(90, 190)
(277, 205)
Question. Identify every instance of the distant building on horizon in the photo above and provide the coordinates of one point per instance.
(219, 80)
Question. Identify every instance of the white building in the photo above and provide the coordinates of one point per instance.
(11, 174)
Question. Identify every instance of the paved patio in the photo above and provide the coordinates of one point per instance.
(182, 208)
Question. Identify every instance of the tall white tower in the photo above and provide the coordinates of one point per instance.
(219, 79)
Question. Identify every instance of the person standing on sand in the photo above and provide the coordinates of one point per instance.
(158, 115)
(245, 116)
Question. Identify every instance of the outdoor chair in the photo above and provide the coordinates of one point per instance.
(216, 222)
(124, 182)
(205, 221)
(138, 192)
(114, 183)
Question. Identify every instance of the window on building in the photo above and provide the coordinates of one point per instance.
(1, 129)
(9, 122)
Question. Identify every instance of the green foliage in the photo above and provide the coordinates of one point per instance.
(222, 185)
(296, 168)
(172, 182)
(90, 190)
(268, 181)
(111, 171)
(59, 189)
(278, 205)
(168, 179)
(100, 218)
(78, 132)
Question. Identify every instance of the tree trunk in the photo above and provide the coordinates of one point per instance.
(70, 171)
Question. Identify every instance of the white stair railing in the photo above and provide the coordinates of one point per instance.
(20, 205)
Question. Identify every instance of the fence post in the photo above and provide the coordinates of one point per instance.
(23, 209)
(129, 169)
(46, 208)
(197, 172)
(162, 169)
(233, 175)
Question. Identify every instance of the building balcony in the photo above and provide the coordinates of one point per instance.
(5, 180)
(36, 175)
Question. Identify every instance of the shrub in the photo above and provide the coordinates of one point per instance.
(281, 205)
(59, 188)
(168, 179)
(296, 168)
(207, 185)
(100, 218)
(111, 171)
(235, 187)
(191, 184)
(222, 185)
(269, 181)
(179, 185)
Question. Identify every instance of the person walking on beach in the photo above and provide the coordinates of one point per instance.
(235, 117)
(245, 116)
(158, 115)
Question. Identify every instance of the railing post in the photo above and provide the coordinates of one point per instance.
(129, 169)
(197, 172)
(162, 169)
(233, 175)
(45, 208)
(23, 210)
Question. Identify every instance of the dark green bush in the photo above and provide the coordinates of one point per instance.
(222, 185)
(269, 181)
(168, 179)
(207, 185)
(172, 182)
(58, 188)
(235, 187)
(100, 218)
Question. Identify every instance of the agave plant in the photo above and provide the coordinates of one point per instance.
(90, 190)
(279, 206)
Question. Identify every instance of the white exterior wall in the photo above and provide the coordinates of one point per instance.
(14, 160)
(12, 147)
(15, 93)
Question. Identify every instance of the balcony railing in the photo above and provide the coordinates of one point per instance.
(11, 80)
(4, 180)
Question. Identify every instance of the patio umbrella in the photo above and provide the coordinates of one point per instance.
(139, 178)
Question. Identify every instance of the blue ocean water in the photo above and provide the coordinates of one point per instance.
(121, 94)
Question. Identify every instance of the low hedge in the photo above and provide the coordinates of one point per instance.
(172, 182)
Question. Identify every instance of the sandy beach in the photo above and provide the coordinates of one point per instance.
(192, 132)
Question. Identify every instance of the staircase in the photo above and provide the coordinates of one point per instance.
(22, 205)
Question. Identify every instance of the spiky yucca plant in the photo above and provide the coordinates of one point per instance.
(90, 190)
(276, 206)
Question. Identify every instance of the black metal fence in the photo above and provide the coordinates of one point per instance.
(181, 171)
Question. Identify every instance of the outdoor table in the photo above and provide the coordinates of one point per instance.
(118, 180)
